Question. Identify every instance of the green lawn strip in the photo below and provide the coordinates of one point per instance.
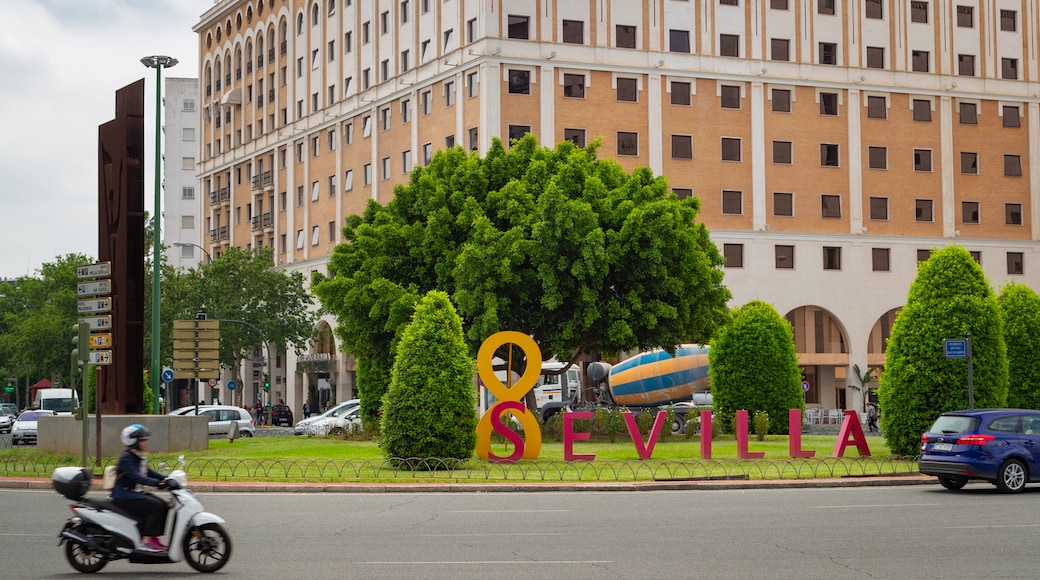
(331, 460)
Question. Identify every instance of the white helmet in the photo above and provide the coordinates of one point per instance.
(132, 435)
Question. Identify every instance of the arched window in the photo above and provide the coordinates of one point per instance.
(299, 23)
(314, 14)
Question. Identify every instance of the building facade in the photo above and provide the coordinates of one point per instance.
(833, 144)
(181, 209)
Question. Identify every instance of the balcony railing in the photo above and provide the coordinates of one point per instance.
(262, 180)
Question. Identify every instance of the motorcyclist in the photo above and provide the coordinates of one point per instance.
(132, 472)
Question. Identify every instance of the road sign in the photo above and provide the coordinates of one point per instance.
(94, 288)
(101, 340)
(231, 385)
(100, 357)
(98, 322)
(93, 305)
(805, 386)
(167, 375)
(955, 348)
(95, 270)
(212, 382)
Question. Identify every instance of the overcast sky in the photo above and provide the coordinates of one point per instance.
(61, 62)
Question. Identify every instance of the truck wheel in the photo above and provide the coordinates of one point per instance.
(678, 425)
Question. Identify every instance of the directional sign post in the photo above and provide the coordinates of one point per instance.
(94, 305)
(961, 348)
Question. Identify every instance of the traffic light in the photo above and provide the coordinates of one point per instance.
(81, 340)
(267, 382)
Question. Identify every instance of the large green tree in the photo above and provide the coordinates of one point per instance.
(552, 242)
(429, 407)
(754, 367)
(950, 298)
(1020, 311)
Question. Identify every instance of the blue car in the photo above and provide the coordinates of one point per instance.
(1001, 446)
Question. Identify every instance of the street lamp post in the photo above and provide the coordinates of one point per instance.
(157, 62)
(209, 258)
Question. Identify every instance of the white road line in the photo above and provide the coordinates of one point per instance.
(889, 505)
(483, 535)
(984, 527)
(508, 512)
(485, 562)
(30, 535)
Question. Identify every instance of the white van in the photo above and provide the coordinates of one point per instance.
(61, 401)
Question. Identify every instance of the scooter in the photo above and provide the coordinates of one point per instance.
(100, 532)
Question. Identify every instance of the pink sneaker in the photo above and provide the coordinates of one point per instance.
(154, 545)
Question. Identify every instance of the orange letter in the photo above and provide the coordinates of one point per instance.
(742, 439)
(569, 437)
(644, 451)
(794, 442)
(851, 428)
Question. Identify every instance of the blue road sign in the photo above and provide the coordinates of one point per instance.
(231, 385)
(167, 375)
(955, 348)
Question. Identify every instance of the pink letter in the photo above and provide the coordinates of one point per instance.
(496, 424)
(569, 437)
(705, 434)
(644, 451)
(794, 442)
(742, 439)
(851, 428)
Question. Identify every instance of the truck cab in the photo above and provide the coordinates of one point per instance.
(61, 401)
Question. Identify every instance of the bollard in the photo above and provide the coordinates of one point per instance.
(233, 431)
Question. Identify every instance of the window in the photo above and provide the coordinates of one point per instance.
(1013, 165)
(781, 99)
(426, 101)
(366, 78)
(518, 131)
(406, 111)
(366, 32)
(922, 110)
(406, 161)
(828, 154)
(828, 53)
(332, 186)
(315, 232)
(1009, 68)
(449, 94)
(574, 86)
(427, 153)
(965, 17)
(877, 108)
(625, 36)
(348, 180)
(966, 65)
(730, 149)
(472, 85)
(829, 104)
(679, 41)
(784, 257)
(780, 49)
(474, 142)
(332, 231)
(1013, 214)
(682, 147)
(573, 32)
(734, 255)
(627, 89)
(449, 40)
(970, 212)
(1010, 116)
(188, 105)
(627, 143)
(680, 93)
(920, 60)
(299, 195)
(729, 45)
(831, 258)
(732, 202)
(188, 222)
(425, 54)
(188, 192)
(830, 206)
(783, 204)
(968, 114)
(348, 133)
(880, 259)
(875, 57)
(449, 141)
(385, 168)
(825, 6)
(299, 239)
(778, 4)
(405, 11)
(188, 134)
(366, 126)
(188, 163)
(879, 208)
(729, 2)
(919, 12)
(366, 174)
(874, 9)
(384, 118)
(923, 255)
(1008, 20)
(315, 191)
(576, 136)
(682, 192)
(877, 157)
(1015, 260)
(782, 152)
(923, 210)
(969, 163)
(730, 96)
(519, 82)
(519, 27)
(976, 255)
(922, 159)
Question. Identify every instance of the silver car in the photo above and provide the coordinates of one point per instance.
(222, 416)
(301, 426)
(23, 432)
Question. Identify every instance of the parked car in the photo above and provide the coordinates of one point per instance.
(281, 415)
(9, 409)
(336, 424)
(186, 410)
(301, 426)
(222, 416)
(23, 432)
(1001, 446)
(6, 422)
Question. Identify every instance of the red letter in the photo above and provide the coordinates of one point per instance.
(851, 428)
(569, 437)
(644, 451)
(794, 442)
(496, 424)
(742, 439)
(705, 434)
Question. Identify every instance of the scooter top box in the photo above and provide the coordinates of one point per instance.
(72, 482)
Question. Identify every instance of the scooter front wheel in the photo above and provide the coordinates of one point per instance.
(82, 559)
(207, 547)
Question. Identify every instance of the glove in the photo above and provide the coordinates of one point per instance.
(162, 484)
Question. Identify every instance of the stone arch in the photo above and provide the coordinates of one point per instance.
(822, 345)
(877, 342)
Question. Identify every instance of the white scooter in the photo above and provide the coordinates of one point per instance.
(100, 532)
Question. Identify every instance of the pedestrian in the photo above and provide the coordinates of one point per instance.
(872, 417)
(259, 409)
(306, 409)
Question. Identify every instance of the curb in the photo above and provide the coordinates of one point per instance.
(271, 487)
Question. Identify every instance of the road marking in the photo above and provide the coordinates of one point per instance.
(887, 505)
(983, 527)
(485, 562)
(485, 535)
(508, 511)
(29, 535)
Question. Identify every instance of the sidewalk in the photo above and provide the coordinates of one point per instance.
(37, 483)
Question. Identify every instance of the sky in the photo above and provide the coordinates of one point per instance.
(61, 62)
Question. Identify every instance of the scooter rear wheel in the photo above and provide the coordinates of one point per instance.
(207, 548)
(83, 559)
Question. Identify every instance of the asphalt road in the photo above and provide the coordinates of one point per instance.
(887, 532)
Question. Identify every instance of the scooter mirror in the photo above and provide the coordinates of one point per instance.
(163, 468)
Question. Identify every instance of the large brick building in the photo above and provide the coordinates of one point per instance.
(832, 143)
